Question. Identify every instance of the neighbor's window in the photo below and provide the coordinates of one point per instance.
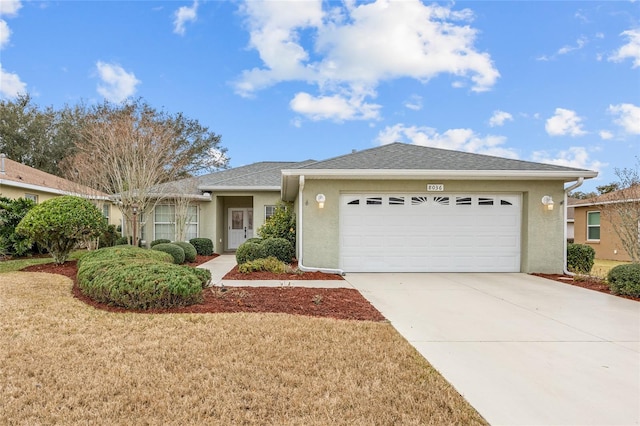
(32, 197)
(105, 211)
(593, 225)
(269, 211)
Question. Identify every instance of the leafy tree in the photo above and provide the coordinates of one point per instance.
(582, 195)
(60, 223)
(11, 213)
(605, 189)
(281, 225)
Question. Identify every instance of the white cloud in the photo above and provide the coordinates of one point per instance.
(5, 33)
(605, 135)
(629, 50)
(10, 7)
(10, 84)
(183, 15)
(564, 122)
(628, 117)
(455, 139)
(580, 43)
(117, 84)
(335, 107)
(575, 156)
(356, 46)
(414, 103)
(499, 117)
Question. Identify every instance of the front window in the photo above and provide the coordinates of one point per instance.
(269, 211)
(165, 226)
(191, 230)
(593, 226)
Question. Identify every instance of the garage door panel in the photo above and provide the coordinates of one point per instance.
(439, 233)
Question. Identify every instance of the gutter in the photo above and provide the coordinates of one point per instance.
(301, 266)
(564, 228)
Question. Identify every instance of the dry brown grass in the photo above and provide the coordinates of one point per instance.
(66, 363)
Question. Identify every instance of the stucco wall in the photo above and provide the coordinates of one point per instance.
(609, 246)
(542, 236)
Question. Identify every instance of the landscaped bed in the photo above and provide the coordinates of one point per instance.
(340, 303)
(588, 282)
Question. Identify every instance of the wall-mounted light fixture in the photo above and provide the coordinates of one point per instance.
(320, 199)
(547, 201)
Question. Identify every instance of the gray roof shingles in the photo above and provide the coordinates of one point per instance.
(401, 156)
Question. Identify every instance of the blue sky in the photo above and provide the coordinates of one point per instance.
(555, 82)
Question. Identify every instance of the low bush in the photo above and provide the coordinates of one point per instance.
(204, 246)
(123, 252)
(140, 284)
(189, 250)
(122, 241)
(270, 264)
(204, 275)
(580, 258)
(625, 280)
(279, 248)
(175, 251)
(159, 241)
(109, 237)
(254, 240)
(249, 251)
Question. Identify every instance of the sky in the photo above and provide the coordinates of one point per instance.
(548, 81)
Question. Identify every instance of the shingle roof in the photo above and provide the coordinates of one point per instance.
(630, 194)
(400, 156)
(263, 174)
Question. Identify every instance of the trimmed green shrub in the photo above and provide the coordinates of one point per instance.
(11, 213)
(204, 275)
(189, 250)
(580, 258)
(175, 251)
(123, 252)
(140, 284)
(122, 241)
(270, 264)
(625, 279)
(281, 225)
(279, 248)
(159, 241)
(249, 251)
(109, 237)
(204, 246)
(60, 223)
(254, 240)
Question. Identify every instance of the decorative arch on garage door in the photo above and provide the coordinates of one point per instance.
(430, 232)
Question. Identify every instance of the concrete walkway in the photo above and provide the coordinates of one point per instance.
(225, 263)
(521, 349)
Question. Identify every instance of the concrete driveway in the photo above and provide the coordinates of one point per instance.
(522, 350)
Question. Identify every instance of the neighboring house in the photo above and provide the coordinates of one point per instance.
(20, 181)
(571, 217)
(594, 228)
(395, 208)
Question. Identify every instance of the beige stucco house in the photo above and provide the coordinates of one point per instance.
(394, 208)
(20, 181)
(593, 226)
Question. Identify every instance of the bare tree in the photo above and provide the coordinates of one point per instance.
(622, 210)
(182, 193)
(128, 150)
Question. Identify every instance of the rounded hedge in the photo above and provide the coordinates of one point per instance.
(625, 280)
(140, 284)
(249, 251)
(280, 248)
(204, 275)
(174, 250)
(204, 246)
(159, 241)
(189, 250)
(123, 252)
(580, 258)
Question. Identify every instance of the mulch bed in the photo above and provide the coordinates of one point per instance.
(339, 303)
(591, 283)
(234, 274)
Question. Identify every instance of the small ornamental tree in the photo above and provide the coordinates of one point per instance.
(60, 223)
(281, 225)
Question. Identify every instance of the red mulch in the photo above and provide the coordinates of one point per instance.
(591, 283)
(234, 274)
(339, 303)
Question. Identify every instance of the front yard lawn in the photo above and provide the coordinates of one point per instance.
(66, 362)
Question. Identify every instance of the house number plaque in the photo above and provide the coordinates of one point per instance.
(435, 187)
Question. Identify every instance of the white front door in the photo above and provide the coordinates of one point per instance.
(240, 226)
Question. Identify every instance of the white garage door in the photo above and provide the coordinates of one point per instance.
(430, 232)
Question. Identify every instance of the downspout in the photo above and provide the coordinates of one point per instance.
(300, 240)
(566, 206)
